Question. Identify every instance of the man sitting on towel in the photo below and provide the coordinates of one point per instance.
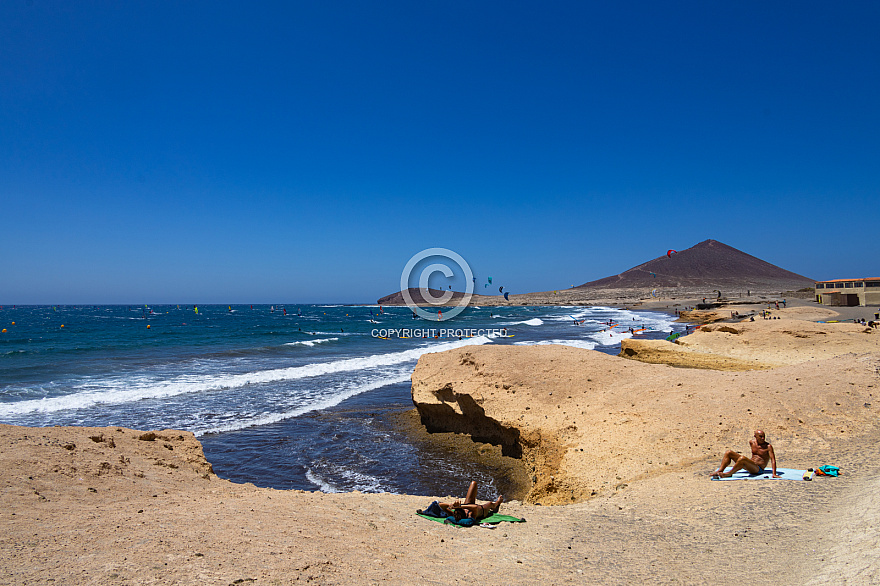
(761, 452)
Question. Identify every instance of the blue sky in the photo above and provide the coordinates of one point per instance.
(215, 152)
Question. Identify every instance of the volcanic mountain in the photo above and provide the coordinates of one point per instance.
(707, 264)
(704, 269)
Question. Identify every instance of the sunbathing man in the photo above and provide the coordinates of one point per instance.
(469, 508)
(761, 452)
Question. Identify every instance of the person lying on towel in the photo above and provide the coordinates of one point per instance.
(469, 509)
(762, 452)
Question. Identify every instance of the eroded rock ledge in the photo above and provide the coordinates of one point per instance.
(754, 345)
(584, 423)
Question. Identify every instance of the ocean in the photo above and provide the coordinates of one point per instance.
(283, 396)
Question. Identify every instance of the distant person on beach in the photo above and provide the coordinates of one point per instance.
(762, 452)
(469, 509)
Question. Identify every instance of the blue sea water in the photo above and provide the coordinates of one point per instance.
(295, 396)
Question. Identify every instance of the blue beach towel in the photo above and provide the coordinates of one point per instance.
(784, 473)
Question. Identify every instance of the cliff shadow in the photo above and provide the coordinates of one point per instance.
(472, 420)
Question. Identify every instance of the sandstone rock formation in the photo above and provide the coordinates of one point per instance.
(585, 423)
(759, 344)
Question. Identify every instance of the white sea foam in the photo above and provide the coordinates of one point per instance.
(243, 422)
(586, 344)
(127, 389)
(360, 481)
(322, 485)
(310, 342)
(535, 321)
(610, 337)
(315, 333)
(625, 318)
(355, 480)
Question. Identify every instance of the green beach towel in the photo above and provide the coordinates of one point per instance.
(498, 518)
(492, 519)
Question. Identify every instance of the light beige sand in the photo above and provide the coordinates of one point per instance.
(643, 437)
(763, 343)
(587, 423)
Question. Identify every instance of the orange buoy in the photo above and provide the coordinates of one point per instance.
(4, 331)
(13, 323)
(148, 327)
(62, 325)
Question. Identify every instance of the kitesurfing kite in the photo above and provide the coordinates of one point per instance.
(669, 253)
(506, 298)
(501, 288)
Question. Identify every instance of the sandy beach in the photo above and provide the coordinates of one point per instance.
(616, 455)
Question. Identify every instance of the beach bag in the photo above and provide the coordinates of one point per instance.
(828, 470)
(434, 510)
